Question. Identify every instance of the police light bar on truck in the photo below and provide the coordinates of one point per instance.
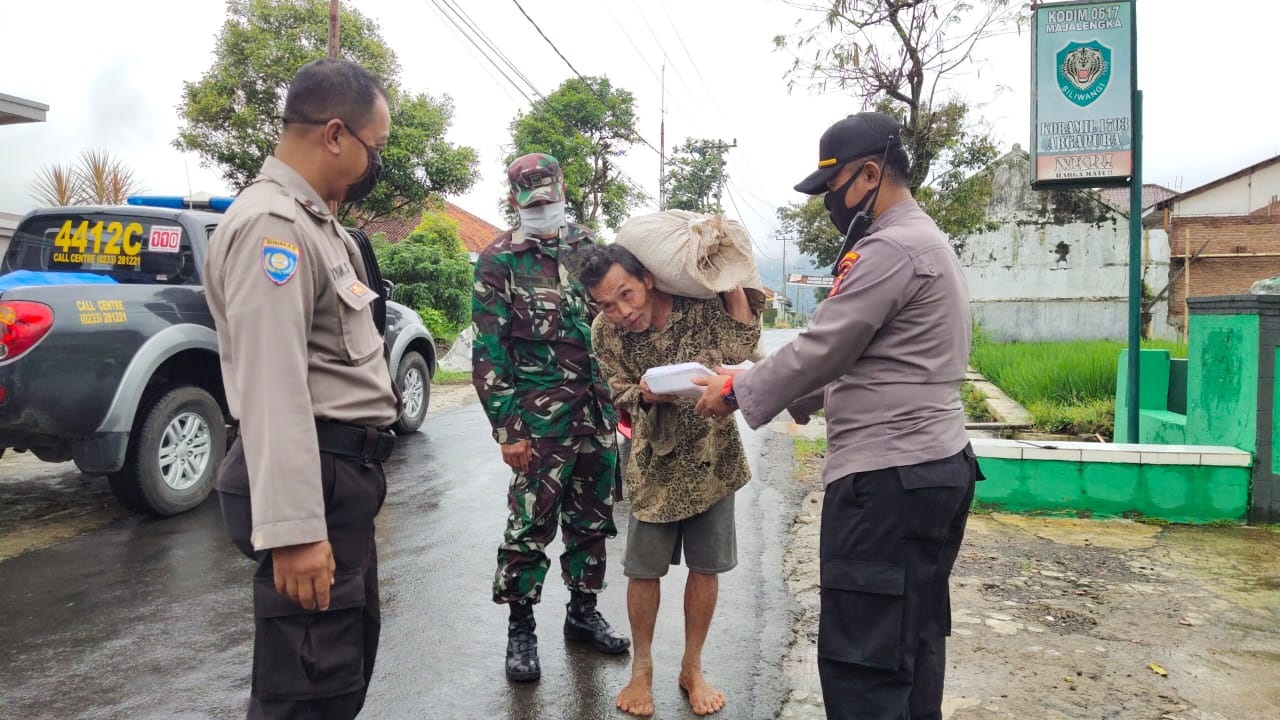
(199, 201)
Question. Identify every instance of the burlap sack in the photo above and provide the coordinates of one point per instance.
(691, 254)
(695, 255)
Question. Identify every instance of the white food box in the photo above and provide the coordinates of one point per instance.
(674, 379)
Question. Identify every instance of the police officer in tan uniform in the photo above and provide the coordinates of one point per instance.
(884, 356)
(306, 376)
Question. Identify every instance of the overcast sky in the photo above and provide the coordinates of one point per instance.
(112, 73)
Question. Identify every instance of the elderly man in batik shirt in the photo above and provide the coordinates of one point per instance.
(684, 469)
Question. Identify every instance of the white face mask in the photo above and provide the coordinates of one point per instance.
(542, 219)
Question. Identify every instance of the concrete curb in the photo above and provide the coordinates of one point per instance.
(1006, 410)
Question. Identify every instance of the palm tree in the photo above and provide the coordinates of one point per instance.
(106, 180)
(57, 185)
(96, 177)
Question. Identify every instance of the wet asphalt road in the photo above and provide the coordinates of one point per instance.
(152, 619)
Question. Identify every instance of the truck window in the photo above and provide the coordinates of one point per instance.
(130, 249)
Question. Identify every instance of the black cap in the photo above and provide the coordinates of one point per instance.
(867, 133)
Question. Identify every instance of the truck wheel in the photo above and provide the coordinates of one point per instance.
(414, 382)
(173, 454)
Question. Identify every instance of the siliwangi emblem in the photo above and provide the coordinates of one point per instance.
(1084, 70)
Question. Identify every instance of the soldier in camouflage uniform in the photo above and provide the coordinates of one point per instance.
(551, 413)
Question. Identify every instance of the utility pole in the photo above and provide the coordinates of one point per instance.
(722, 147)
(662, 142)
(333, 29)
(786, 299)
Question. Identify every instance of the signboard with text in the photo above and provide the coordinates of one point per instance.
(814, 280)
(1082, 94)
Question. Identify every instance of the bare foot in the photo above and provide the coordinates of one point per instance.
(703, 698)
(637, 697)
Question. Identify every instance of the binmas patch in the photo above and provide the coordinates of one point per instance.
(279, 260)
(846, 264)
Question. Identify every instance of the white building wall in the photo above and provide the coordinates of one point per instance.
(1055, 274)
(8, 223)
(1240, 196)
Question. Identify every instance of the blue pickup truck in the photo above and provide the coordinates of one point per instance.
(109, 355)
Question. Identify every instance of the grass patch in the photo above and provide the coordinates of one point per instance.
(982, 508)
(449, 377)
(1137, 516)
(1087, 417)
(1222, 523)
(975, 407)
(1068, 387)
(808, 456)
(806, 450)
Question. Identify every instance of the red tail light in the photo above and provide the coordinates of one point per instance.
(23, 323)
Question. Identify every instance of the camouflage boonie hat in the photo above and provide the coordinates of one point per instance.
(535, 177)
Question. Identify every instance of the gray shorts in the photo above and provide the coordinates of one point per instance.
(709, 540)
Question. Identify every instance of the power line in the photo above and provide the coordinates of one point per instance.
(475, 27)
(759, 248)
(687, 54)
(635, 47)
(471, 27)
(487, 71)
(482, 52)
(544, 37)
(750, 206)
(663, 48)
(590, 89)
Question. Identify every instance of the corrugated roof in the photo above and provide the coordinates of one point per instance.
(1152, 193)
(476, 234)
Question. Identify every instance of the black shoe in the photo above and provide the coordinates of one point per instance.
(522, 645)
(585, 624)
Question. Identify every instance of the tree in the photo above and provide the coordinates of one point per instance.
(106, 180)
(811, 227)
(232, 114)
(696, 176)
(56, 185)
(586, 124)
(96, 177)
(899, 56)
(432, 274)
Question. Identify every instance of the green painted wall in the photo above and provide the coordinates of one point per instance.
(1222, 383)
(1275, 421)
(1153, 394)
(1178, 493)
(1163, 428)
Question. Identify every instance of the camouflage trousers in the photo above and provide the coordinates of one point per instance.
(570, 484)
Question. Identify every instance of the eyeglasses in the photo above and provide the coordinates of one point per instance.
(346, 125)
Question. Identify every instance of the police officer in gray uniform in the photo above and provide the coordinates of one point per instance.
(885, 356)
(306, 376)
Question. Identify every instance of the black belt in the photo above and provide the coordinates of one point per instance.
(355, 441)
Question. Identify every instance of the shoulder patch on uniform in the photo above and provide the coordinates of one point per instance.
(846, 264)
(279, 259)
(358, 288)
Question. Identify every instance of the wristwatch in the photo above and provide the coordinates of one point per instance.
(728, 396)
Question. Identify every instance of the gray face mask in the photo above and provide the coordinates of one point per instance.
(542, 219)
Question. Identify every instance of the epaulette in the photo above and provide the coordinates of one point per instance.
(282, 206)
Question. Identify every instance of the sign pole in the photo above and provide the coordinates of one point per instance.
(1086, 129)
(1135, 272)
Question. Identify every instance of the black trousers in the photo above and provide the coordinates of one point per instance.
(314, 665)
(889, 540)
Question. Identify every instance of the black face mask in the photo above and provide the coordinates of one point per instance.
(842, 217)
(852, 221)
(361, 188)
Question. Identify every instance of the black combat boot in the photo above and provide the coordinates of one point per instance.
(522, 644)
(584, 623)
